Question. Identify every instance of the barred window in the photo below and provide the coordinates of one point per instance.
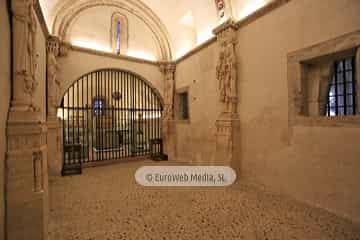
(183, 106)
(342, 94)
(98, 106)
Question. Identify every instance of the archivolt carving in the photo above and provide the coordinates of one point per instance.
(66, 16)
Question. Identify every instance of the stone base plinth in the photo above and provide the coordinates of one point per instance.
(26, 179)
(169, 137)
(54, 145)
(228, 143)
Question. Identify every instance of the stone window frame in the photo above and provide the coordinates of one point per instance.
(305, 102)
(177, 105)
(124, 34)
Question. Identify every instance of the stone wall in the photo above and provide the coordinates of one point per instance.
(79, 62)
(4, 100)
(196, 139)
(317, 164)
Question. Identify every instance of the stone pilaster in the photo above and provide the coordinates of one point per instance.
(26, 156)
(168, 126)
(227, 124)
(54, 134)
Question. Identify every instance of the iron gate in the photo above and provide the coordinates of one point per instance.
(107, 115)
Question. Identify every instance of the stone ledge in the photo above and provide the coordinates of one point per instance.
(323, 121)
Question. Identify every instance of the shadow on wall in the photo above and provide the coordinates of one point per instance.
(5, 75)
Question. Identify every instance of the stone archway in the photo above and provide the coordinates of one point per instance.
(107, 115)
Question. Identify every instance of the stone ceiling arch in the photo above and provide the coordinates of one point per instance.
(66, 16)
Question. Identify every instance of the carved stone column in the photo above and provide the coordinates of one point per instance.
(168, 127)
(26, 157)
(54, 134)
(227, 125)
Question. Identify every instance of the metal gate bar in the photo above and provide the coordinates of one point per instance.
(109, 114)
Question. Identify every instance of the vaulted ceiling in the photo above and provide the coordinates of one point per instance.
(158, 29)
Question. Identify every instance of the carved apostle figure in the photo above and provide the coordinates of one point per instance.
(53, 50)
(24, 32)
(168, 70)
(54, 83)
(220, 75)
(226, 74)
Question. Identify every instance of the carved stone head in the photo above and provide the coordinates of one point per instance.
(220, 6)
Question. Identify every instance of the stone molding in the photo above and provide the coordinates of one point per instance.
(267, 8)
(112, 55)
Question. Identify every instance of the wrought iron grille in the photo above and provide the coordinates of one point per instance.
(342, 90)
(109, 115)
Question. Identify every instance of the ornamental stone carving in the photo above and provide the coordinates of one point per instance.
(53, 50)
(226, 69)
(25, 55)
(224, 10)
(38, 171)
(220, 7)
(227, 124)
(169, 88)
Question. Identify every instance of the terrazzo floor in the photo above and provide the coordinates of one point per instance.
(105, 203)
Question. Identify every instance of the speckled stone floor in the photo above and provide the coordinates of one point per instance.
(105, 203)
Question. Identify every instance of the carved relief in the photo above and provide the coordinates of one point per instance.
(38, 171)
(25, 55)
(226, 75)
(220, 7)
(169, 72)
(226, 72)
(53, 49)
(224, 141)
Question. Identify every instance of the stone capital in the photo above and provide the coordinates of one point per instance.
(53, 45)
(226, 27)
(167, 68)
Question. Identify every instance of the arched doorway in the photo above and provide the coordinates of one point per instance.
(107, 115)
